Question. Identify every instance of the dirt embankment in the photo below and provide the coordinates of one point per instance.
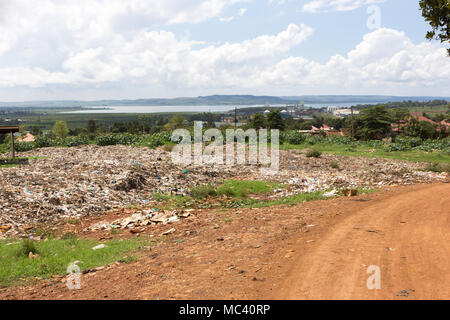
(317, 250)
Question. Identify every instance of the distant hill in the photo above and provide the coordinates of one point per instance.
(224, 100)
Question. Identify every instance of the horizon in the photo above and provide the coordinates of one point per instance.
(242, 95)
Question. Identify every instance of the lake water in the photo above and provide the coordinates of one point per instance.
(163, 109)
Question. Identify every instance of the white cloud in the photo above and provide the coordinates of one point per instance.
(338, 5)
(372, 65)
(98, 47)
(242, 11)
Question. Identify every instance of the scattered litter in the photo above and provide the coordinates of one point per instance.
(100, 246)
(86, 181)
(169, 232)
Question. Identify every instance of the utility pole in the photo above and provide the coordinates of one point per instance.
(353, 124)
(235, 118)
(13, 149)
(39, 125)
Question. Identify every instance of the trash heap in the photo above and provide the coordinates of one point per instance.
(62, 183)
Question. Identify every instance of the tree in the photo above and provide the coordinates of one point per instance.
(375, 123)
(60, 129)
(437, 14)
(176, 122)
(258, 122)
(274, 120)
(422, 129)
(398, 116)
(92, 126)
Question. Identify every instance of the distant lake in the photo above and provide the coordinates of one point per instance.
(164, 109)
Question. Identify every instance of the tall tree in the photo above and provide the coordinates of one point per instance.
(375, 123)
(437, 14)
(258, 121)
(398, 116)
(92, 126)
(60, 129)
(274, 120)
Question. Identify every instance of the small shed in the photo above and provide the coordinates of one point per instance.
(10, 130)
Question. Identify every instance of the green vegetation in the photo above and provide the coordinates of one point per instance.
(437, 14)
(55, 255)
(234, 189)
(438, 167)
(313, 153)
(60, 129)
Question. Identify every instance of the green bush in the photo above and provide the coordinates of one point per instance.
(43, 142)
(158, 139)
(438, 167)
(202, 192)
(408, 141)
(293, 137)
(23, 146)
(107, 140)
(313, 153)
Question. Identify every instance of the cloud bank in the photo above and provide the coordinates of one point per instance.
(112, 49)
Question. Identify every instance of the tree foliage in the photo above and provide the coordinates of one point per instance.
(375, 123)
(60, 129)
(437, 14)
(274, 120)
(258, 122)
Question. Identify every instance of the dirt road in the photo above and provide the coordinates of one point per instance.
(407, 236)
(315, 250)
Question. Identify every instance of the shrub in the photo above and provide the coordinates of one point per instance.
(313, 153)
(23, 146)
(202, 192)
(107, 140)
(438, 167)
(408, 141)
(159, 139)
(293, 137)
(27, 246)
(43, 142)
(312, 140)
(334, 165)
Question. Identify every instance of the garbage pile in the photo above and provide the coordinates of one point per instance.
(143, 219)
(61, 183)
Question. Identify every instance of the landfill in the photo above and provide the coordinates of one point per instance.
(63, 183)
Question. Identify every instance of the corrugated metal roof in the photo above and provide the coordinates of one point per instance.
(8, 129)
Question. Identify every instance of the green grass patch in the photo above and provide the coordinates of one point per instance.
(234, 189)
(438, 167)
(55, 255)
(366, 151)
(242, 188)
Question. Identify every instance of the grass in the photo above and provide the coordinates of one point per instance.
(234, 189)
(438, 167)
(292, 200)
(366, 151)
(10, 163)
(313, 153)
(55, 255)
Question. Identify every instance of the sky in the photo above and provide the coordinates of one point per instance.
(115, 49)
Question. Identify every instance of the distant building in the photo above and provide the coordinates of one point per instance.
(28, 137)
(344, 113)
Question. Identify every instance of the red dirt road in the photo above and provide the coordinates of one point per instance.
(407, 236)
(315, 250)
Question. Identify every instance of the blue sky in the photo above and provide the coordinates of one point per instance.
(93, 49)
